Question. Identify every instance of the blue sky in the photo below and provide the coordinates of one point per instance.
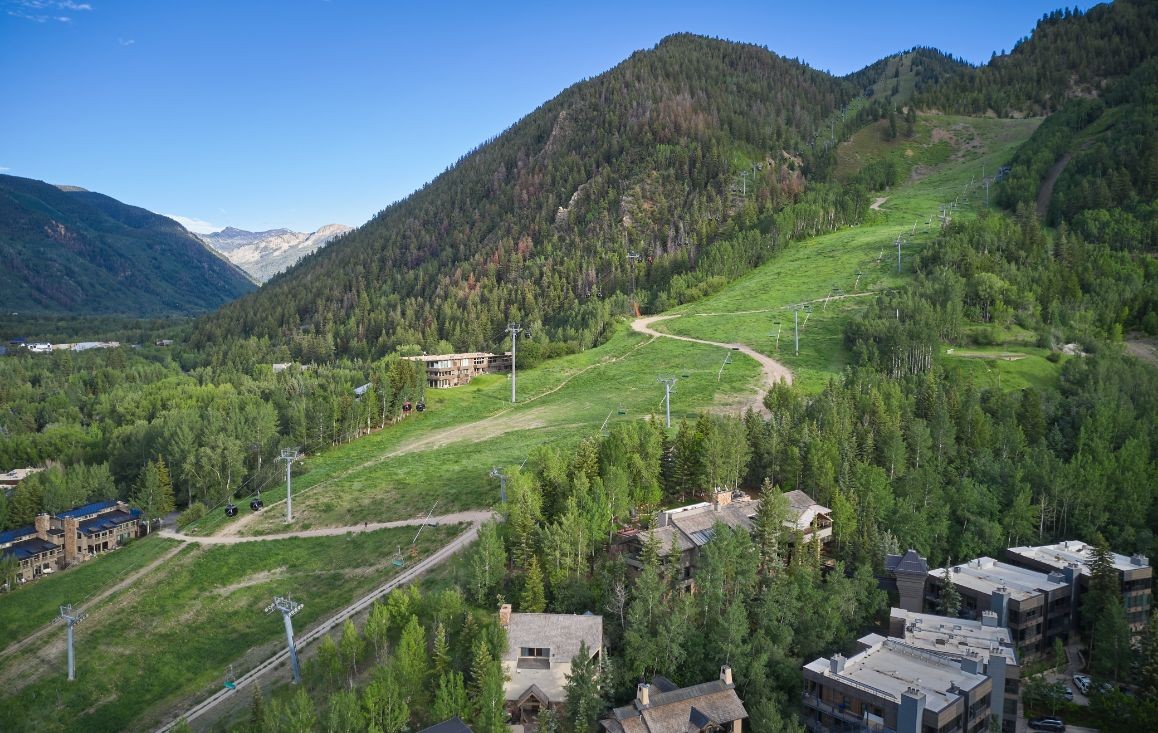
(299, 113)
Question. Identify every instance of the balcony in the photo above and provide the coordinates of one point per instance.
(848, 721)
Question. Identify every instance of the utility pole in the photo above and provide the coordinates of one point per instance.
(496, 473)
(777, 337)
(288, 607)
(898, 254)
(71, 618)
(632, 258)
(668, 385)
(513, 329)
(289, 455)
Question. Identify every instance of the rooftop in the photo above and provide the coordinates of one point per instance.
(17, 475)
(910, 562)
(1075, 552)
(14, 535)
(109, 520)
(672, 710)
(560, 632)
(29, 548)
(87, 509)
(804, 508)
(986, 575)
(454, 725)
(955, 637)
(887, 668)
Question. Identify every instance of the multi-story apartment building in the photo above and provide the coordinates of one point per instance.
(984, 643)
(453, 370)
(891, 685)
(1035, 606)
(1134, 574)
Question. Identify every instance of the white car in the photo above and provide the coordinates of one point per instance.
(1083, 682)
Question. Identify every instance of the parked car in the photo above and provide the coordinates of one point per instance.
(1063, 690)
(1082, 682)
(1051, 725)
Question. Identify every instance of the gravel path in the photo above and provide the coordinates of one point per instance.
(473, 517)
(774, 371)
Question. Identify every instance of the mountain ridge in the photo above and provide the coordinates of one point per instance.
(264, 254)
(72, 251)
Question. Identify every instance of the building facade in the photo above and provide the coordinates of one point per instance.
(455, 370)
(1135, 575)
(540, 647)
(1036, 607)
(890, 685)
(687, 529)
(57, 541)
(983, 643)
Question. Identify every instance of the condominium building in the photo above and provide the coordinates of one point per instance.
(1134, 574)
(984, 644)
(891, 685)
(453, 370)
(1035, 606)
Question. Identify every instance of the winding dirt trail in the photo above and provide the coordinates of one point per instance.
(876, 205)
(1045, 193)
(773, 370)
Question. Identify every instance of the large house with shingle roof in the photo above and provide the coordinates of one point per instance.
(540, 647)
(689, 528)
(661, 707)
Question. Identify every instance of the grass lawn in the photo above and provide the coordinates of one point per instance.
(1002, 367)
(31, 606)
(175, 634)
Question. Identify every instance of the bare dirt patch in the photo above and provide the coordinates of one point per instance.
(1144, 349)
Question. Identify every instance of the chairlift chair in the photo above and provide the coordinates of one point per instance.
(421, 406)
(406, 406)
(231, 510)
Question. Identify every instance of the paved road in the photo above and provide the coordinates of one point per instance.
(474, 517)
(270, 665)
(774, 371)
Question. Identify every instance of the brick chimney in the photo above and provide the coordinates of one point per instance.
(42, 524)
(505, 615)
(643, 695)
(722, 497)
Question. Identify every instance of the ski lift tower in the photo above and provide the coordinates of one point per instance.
(288, 607)
(71, 618)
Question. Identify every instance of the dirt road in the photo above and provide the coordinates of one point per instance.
(773, 370)
(474, 517)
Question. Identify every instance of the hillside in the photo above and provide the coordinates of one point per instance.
(1069, 54)
(69, 251)
(264, 254)
(672, 154)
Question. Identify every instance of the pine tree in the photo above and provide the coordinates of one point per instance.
(410, 665)
(450, 698)
(768, 527)
(386, 709)
(300, 713)
(1148, 660)
(490, 715)
(584, 695)
(257, 711)
(440, 656)
(533, 598)
(950, 596)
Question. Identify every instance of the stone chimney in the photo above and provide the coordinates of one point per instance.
(505, 615)
(71, 528)
(643, 695)
(42, 524)
(726, 674)
(723, 497)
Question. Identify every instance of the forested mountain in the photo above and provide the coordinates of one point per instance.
(683, 154)
(71, 251)
(1094, 165)
(898, 77)
(1069, 54)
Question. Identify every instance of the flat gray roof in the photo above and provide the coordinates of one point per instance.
(955, 637)
(986, 575)
(888, 667)
(1062, 554)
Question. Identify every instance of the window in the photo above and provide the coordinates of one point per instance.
(532, 651)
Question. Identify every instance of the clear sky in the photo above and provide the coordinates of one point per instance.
(299, 113)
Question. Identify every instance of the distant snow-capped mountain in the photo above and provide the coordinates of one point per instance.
(264, 254)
